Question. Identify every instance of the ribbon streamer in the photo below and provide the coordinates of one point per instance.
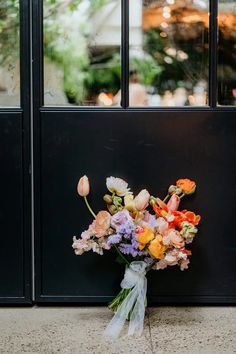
(136, 280)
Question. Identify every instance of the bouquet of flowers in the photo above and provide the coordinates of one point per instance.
(144, 239)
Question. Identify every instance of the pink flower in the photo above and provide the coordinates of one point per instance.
(121, 217)
(173, 237)
(141, 201)
(173, 203)
(162, 225)
(102, 223)
(83, 186)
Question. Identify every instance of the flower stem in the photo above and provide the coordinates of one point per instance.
(166, 197)
(182, 195)
(121, 255)
(89, 207)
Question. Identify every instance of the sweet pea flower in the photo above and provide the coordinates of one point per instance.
(162, 225)
(141, 201)
(120, 218)
(83, 186)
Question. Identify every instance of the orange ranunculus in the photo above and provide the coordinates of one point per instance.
(188, 186)
(145, 237)
(102, 223)
(156, 247)
(192, 217)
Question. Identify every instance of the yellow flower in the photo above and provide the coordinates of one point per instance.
(145, 237)
(156, 247)
(129, 202)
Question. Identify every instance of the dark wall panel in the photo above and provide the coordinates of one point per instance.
(11, 208)
(148, 149)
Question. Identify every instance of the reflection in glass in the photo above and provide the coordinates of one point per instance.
(227, 52)
(169, 52)
(82, 52)
(9, 53)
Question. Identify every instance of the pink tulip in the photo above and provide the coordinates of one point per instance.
(173, 203)
(141, 201)
(83, 186)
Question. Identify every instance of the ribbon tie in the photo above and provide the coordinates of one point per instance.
(136, 280)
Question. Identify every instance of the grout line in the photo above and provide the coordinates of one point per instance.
(150, 331)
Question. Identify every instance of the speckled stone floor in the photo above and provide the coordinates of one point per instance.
(167, 330)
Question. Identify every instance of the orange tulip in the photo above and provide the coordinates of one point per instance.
(192, 217)
(156, 247)
(83, 186)
(188, 186)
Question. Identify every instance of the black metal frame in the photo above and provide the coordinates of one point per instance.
(39, 110)
(23, 113)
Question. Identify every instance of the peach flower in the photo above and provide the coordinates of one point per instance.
(102, 223)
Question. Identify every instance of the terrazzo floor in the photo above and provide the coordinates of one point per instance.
(75, 330)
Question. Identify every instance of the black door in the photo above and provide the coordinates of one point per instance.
(15, 210)
(168, 115)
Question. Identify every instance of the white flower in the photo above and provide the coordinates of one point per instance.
(117, 186)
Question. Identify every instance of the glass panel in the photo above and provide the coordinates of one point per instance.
(9, 53)
(169, 52)
(82, 52)
(227, 53)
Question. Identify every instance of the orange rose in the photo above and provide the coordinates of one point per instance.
(188, 186)
(102, 223)
(156, 247)
(145, 237)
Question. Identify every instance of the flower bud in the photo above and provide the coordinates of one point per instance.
(173, 203)
(83, 186)
(152, 200)
(107, 198)
(141, 201)
(172, 189)
(112, 209)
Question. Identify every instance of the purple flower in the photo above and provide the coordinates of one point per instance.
(126, 229)
(113, 239)
(120, 218)
(126, 248)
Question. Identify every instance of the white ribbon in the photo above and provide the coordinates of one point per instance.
(136, 280)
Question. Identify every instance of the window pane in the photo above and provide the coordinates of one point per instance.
(9, 53)
(82, 52)
(227, 52)
(169, 52)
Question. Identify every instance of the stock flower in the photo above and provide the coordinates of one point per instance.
(188, 186)
(141, 201)
(118, 186)
(188, 230)
(102, 223)
(83, 186)
(156, 247)
(145, 237)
